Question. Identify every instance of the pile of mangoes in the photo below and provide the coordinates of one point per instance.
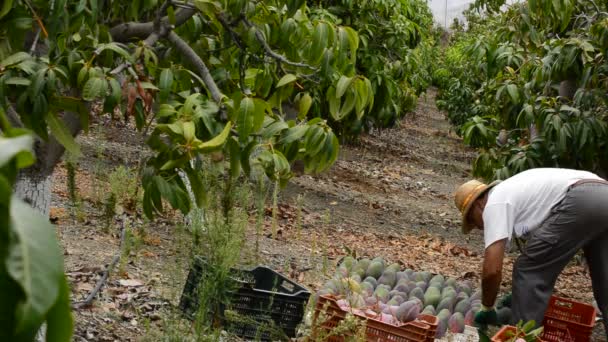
(395, 296)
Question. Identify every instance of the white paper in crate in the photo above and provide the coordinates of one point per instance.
(469, 335)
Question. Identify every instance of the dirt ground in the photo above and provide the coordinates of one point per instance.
(389, 195)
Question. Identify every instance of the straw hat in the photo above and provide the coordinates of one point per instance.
(465, 197)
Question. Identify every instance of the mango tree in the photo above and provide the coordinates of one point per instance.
(529, 88)
(256, 83)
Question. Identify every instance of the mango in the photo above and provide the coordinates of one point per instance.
(381, 293)
(408, 311)
(443, 314)
(456, 323)
(341, 272)
(418, 302)
(476, 295)
(426, 276)
(438, 278)
(410, 286)
(418, 276)
(469, 318)
(422, 284)
(395, 267)
(448, 292)
(446, 303)
(364, 263)
(465, 287)
(442, 327)
(410, 273)
(380, 260)
(356, 301)
(447, 289)
(450, 282)
(432, 296)
(394, 293)
(396, 300)
(402, 288)
(371, 280)
(359, 271)
(348, 262)
(417, 293)
(463, 306)
(333, 285)
(401, 275)
(367, 288)
(355, 277)
(371, 301)
(374, 269)
(429, 310)
(388, 278)
(461, 296)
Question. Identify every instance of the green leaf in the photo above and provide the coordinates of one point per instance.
(274, 128)
(14, 59)
(217, 142)
(245, 118)
(343, 85)
(115, 48)
(289, 78)
(261, 107)
(189, 130)
(6, 7)
(62, 134)
(176, 196)
(320, 40)
(293, 134)
(334, 103)
(18, 81)
(165, 81)
(166, 110)
(528, 326)
(245, 157)
(59, 319)
(513, 93)
(304, 106)
(35, 262)
(19, 147)
(148, 85)
(93, 88)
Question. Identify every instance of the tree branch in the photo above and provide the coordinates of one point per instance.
(13, 116)
(105, 275)
(188, 53)
(270, 52)
(128, 31)
(161, 29)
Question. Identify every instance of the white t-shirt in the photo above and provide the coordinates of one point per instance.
(521, 203)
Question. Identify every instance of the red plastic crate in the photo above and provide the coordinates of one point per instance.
(503, 334)
(423, 329)
(568, 321)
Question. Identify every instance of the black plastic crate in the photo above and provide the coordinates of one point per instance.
(262, 297)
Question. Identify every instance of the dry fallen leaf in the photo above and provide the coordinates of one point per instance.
(130, 282)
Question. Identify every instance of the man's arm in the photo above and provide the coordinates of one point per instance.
(491, 275)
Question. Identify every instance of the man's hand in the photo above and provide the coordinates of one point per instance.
(486, 316)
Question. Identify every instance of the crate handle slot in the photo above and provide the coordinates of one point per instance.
(286, 285)
(563, 304)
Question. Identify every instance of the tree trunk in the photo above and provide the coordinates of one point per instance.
(34, 187)
(567, 89)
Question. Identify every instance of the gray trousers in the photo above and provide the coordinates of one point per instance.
(580, 221)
